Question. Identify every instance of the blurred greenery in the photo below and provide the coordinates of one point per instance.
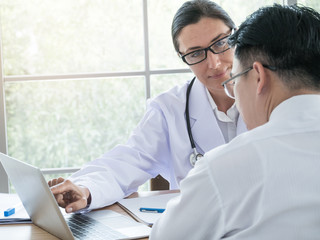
(67, 123)
(162, 83)
(74, 36)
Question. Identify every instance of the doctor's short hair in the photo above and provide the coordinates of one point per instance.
(192, 11)
(286, 37)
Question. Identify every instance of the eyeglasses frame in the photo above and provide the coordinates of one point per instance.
(206, 50)
(224, 84)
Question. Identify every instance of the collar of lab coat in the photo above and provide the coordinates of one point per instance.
(202, 117)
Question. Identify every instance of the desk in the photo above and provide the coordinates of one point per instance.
(31, 231)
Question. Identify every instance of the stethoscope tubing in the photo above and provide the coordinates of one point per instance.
(194, 157)
(187, 114)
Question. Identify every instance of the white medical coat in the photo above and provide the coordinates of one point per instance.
(264, 184)
(158, 145)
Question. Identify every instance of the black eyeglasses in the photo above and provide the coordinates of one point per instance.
(229, 84)
(198, 56)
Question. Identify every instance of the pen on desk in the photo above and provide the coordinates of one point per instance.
(12, 210)
(152, 210)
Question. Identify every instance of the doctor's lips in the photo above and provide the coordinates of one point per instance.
(219, 75)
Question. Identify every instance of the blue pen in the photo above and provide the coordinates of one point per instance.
(152, 210)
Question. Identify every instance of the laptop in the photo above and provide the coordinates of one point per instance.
(44, 211)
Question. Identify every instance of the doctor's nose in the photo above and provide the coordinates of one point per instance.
(213, 60)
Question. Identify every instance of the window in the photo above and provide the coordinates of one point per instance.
(315, 4)
(76, 74)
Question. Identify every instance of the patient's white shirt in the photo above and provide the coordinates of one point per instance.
(264, 184)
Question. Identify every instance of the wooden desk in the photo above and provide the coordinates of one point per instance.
(31, 231)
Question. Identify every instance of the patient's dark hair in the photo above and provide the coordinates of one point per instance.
(286, 37)
(192, 11)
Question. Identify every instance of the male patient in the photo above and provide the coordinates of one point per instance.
(265, 184)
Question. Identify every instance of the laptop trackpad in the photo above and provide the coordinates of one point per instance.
(123, 224)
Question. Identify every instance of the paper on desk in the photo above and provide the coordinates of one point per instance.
(8, 201)
(134, 204)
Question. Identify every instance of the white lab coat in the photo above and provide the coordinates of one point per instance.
(264, 184)
(158, 145)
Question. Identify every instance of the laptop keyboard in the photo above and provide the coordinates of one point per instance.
(84, 227)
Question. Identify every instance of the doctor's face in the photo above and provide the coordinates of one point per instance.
(216, 67)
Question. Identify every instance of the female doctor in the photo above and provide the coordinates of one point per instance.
(179, 125)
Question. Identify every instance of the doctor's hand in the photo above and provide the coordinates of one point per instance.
(69, 195)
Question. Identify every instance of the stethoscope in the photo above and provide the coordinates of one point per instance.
(195, 156)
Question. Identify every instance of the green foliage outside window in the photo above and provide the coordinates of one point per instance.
(68, 123)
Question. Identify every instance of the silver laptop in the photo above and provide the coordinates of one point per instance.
(44, 211)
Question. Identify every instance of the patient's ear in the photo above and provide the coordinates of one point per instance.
(262, 80)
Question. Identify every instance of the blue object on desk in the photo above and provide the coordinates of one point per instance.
(9, 212)
(154, 210)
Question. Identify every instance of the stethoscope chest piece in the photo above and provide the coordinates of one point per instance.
(194, 158)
